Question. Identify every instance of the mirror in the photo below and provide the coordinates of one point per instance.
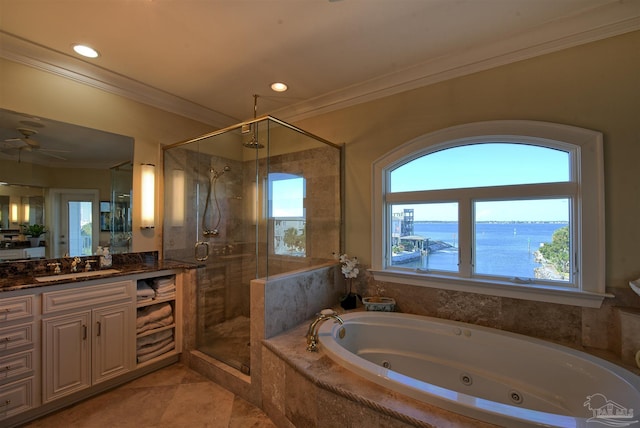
(75, 181)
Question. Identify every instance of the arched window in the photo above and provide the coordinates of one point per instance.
(507, 208)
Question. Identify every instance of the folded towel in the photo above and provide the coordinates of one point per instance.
(145, 293)
(161, 351)
(155, 324)
(167, 287)
(165, 295)
(144, 290)
(161, 282)
(153, 347)
(153, 338)
(153, 313)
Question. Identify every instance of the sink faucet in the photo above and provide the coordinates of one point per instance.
(312, 333)
(56, 267)
(74, 264)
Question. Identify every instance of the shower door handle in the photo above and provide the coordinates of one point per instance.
(201, 244)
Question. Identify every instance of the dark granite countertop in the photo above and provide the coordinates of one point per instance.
(21, 275)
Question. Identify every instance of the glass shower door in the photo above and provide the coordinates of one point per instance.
(204, 223)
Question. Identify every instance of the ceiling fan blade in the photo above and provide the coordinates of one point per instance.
(54, 150)
(46, 153)
(31, 142)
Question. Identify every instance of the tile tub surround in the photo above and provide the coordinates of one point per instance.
(630, 334)
(307, 389)
(600, 331)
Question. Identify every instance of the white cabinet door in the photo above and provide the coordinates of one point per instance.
(113, 341)
(66, 353)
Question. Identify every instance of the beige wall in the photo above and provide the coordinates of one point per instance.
(595, 86)
(28, 90)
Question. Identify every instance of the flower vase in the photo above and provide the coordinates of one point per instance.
(349, 300)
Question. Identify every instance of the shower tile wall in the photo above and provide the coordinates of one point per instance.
(320, 168)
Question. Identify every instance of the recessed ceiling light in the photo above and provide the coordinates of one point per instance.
(86, 51)
(279, 87)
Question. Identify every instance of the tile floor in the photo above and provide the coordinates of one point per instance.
(174, 396)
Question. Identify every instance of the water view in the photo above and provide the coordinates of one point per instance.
(501, 248)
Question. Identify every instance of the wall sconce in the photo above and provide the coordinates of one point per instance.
(148, 196)
(14, 213)
(177, 198)
(26, 213)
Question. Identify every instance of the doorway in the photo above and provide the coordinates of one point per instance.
(76, 216)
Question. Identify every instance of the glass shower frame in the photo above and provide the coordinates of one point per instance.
(269, 196)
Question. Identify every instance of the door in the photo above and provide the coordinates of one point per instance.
(113, 341)
(76, 214)
(66, 353)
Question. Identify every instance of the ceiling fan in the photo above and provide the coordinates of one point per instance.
(26, 143)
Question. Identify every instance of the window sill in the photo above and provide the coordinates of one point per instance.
(538, 293)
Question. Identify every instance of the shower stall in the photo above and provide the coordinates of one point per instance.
(253, 200)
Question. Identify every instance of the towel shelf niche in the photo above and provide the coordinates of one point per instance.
(155, 319)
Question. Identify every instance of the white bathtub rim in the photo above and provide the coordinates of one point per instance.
(482, 409)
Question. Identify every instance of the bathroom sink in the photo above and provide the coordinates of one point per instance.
(75, 275)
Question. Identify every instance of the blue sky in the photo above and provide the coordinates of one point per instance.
(288, 193)
(487, 164)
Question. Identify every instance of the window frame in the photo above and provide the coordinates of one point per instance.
(273, 219)
(586, 218)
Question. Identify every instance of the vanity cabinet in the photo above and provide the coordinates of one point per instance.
(88, 337)
(17, 355)
(61, 342)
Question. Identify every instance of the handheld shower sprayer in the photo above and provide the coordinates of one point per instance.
(213, 179)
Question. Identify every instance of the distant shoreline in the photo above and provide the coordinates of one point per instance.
(491, 222)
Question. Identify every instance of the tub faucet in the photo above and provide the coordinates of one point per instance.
(312, 333)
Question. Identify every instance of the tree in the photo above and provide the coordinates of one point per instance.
(557, 252)
(294, 240)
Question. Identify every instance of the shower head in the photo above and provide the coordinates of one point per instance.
(226, 168)
(253, 143)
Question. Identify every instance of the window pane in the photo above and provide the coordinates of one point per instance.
(288, 192)
(288, 214)
(510, 235)
(425, 236)
(479, 165)
(289, 237)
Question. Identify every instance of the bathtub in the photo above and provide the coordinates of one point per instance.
(487, 374)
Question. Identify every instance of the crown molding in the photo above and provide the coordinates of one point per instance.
(609, 20)
(601, 23)
(37, 56)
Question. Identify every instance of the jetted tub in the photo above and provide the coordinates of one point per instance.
(491, 375)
